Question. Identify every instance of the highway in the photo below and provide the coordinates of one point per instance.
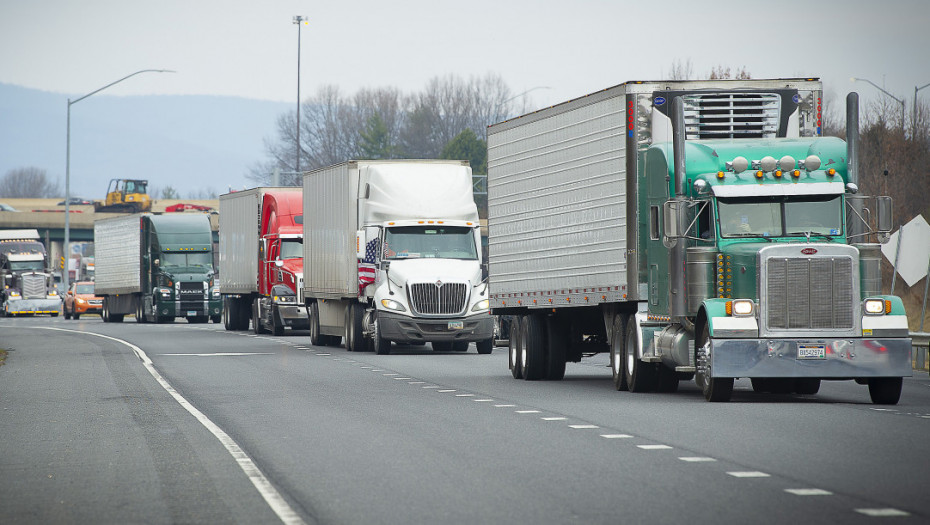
(182, 423)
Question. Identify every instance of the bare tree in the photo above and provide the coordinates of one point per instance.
(29, 182)
(681, 70)
(724, 72)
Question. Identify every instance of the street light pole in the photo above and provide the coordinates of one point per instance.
(914, 122)
(67, 247)
(299, 20)
(854, 79)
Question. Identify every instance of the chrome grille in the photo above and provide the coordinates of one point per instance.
(34, 287)
(438, 298)
(731, 115)
(809, 293)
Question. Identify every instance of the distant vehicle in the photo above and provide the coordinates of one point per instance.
(81, 299)
(125, 196)
(27, 284)
(76, 201)
(181, 207)
(7, 207)
(157, 267)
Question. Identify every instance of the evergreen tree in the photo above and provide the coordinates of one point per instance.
(467, 146)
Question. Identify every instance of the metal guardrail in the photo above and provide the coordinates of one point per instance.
(921, 343)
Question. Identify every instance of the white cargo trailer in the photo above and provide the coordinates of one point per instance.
(392, 252)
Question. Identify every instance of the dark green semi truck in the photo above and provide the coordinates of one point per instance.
(157, 267)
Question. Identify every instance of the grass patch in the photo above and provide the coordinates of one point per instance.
(2, 356)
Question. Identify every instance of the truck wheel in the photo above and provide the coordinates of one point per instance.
(217, 319)
(140, 312)
(714, 389)
(315, 338)
(640, 376)
(257, 327)
(514, 351)
(355, 340)
(556, 348)
(616, 352)
(885, 390)
(67, 313)
(807, 386)
(277, 327)
(382, 345)
(105, 311)
(230, 315)
(666, 379)
(485, 347)
(76, 316)
(533, 349)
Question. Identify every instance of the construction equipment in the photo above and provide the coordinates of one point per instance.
(125, 196)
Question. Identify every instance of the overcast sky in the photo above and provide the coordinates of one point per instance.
(557, 49)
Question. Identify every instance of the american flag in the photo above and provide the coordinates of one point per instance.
(366, 266)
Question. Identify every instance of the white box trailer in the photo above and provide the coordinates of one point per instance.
(412, 227)
(117, 249)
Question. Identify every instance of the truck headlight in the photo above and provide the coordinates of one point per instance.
(215, 293)
(877, 306)
(483, 304)
(740, 307)
(165, 292)
(14, 294)
(391, 304)
(284, 299)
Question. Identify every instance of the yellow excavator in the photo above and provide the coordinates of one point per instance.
(125, 196)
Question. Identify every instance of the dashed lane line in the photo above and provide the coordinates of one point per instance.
(883, 513)
(749, 474)
(809, 492)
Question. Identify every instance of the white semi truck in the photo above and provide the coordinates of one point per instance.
(392, 252)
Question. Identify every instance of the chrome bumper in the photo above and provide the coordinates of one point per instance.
(410, 329)
(842, 358)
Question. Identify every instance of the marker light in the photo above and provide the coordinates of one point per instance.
(796, 173)
(759, 174)
(719, 174)
(831, 172)
(778, 174)
(874, 306)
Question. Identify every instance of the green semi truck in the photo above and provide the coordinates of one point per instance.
(156, 267)
(693, 229)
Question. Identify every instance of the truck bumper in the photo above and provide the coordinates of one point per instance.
(33, 306)
(294, 316)
(210, 308)
(403, 329)
(818, 358)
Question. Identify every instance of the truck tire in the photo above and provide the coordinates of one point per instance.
(640, 376)
(140, 312)
(485, 347)
(666, 379)
(516, 322)
(230, 315)
(105, 311)
(616, 351)
(76, 316)
(217, 319)
(533, 349)
(355, 339)
(556, 348)
(315, 338)
(67, 313)
(277, 326)
(885, 390)
(381, 345)
(714, 389)
(257, 327)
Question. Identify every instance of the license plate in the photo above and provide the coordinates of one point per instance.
(191, 313)
(812, 352)
(456, 325)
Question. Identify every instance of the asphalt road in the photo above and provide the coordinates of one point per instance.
(199, 425)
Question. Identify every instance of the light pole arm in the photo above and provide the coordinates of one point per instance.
(75, 101)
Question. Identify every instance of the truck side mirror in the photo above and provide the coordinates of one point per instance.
(885, 214)
(671, 213)
(278, 263)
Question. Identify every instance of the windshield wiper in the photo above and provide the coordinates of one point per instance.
(809, 234)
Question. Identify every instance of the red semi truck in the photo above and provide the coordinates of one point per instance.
(261, 265)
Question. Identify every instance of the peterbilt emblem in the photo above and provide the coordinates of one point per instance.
(809, 251)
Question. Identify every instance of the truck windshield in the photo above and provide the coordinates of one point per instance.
(447, 242)
(780, 217)
(27, 265)
(292, 248)
(200, 260)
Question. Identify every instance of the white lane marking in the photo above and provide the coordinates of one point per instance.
(883, 513)
(654, 447)
(446, 390)
(527, 411)
(504, 406)
(583, 426)
(324, 354)
(222, 354)
(554, 418)
(391, 374)
(748, 474)
(271, 496)
(482, 400)
(883, 409)
(366, 367)
(809, 492)
(696, 459)
(416, 383)
(401, 378)
(616, 436)
(431, 386)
